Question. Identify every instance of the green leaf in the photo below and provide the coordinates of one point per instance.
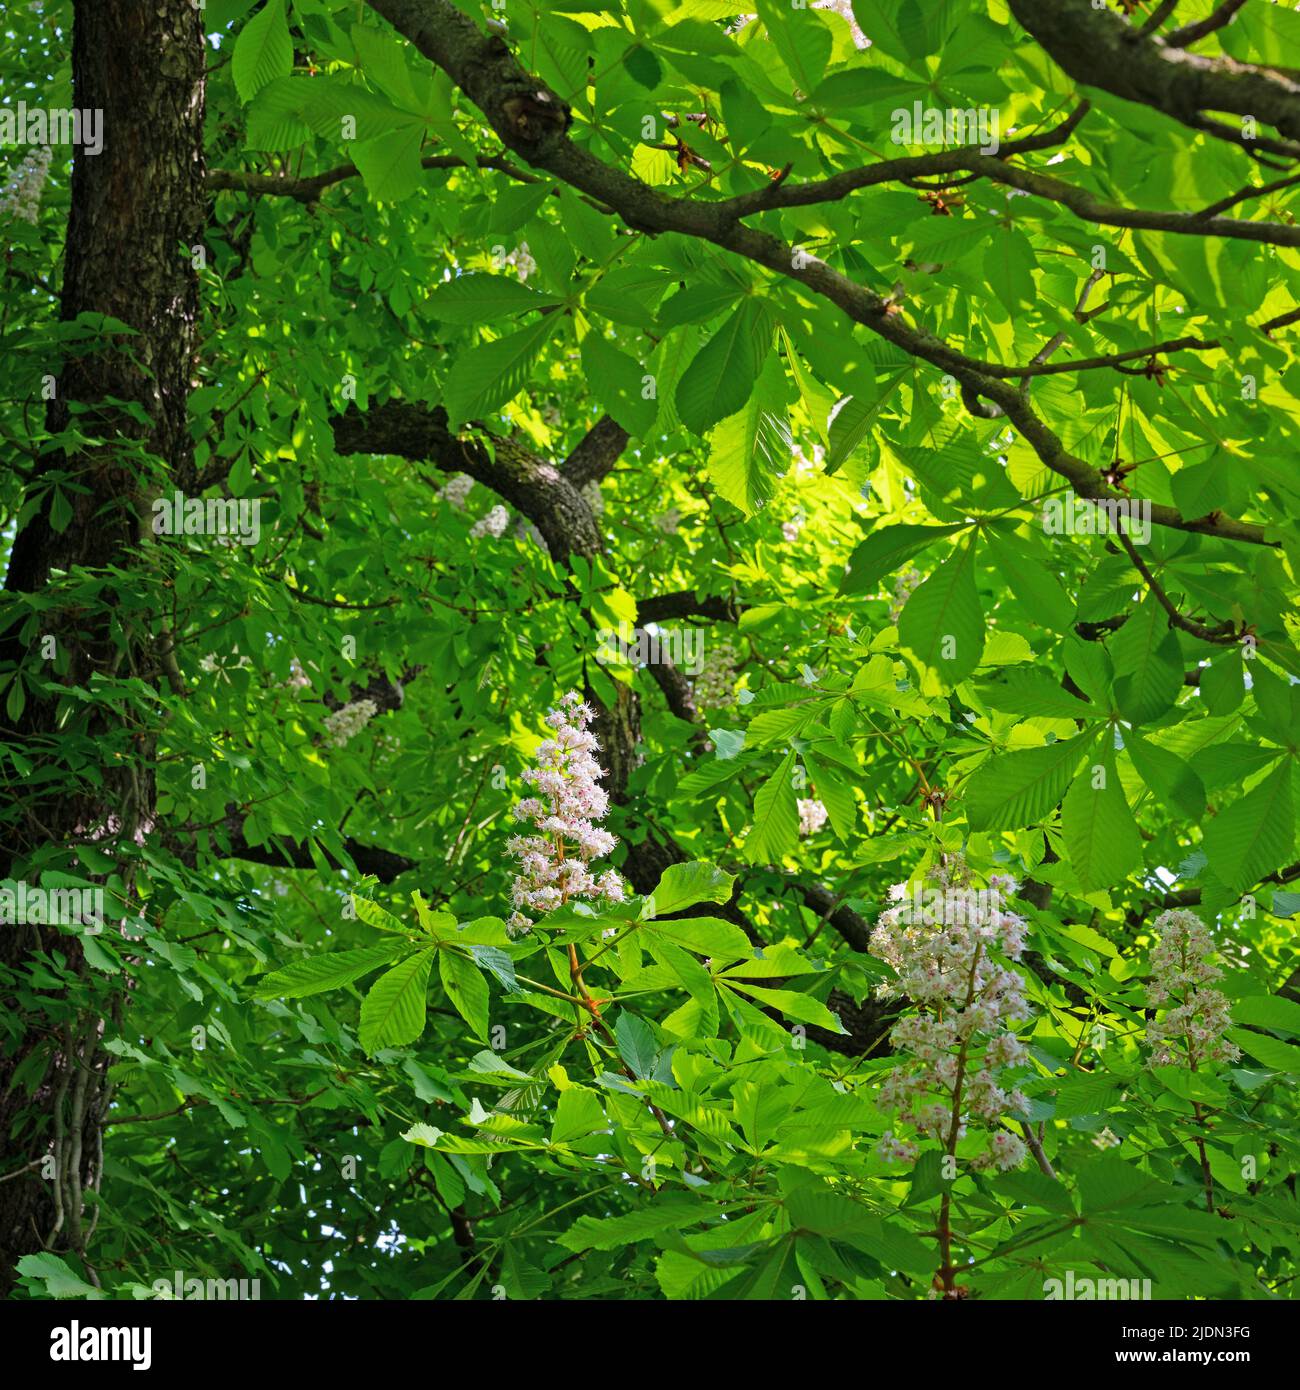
(722, 375)
(393, 1012)
(885, 551)
(1254, 835)
(1268, 1011)
(467, 990)
(776, 817)
(57, 1277)
(636, 1044)
(473, 299)
(1100, 833)
(1148, 664)
(684, 885)
(706, 936)
(793, 1004)
(617, 382)
(750, 450)
(486, 377)
(577, 1112)
(331, 971)
(1009, 791)
(390, 164)
(1172, 780)
(263, 51)
(852, 419)
(1278, 1056)
(942, 623)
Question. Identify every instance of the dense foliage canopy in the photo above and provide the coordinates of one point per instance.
(829, 468)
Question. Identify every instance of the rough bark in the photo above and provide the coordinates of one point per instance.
(136, 208)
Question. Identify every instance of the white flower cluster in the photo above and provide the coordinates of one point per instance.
(493, 524)
(455, 490)
(904, 586)
(298, 678)
(555, 862)
(812, 816)
(790, 529)
(715, 686)
(20, 198)
(346, 723)
(957, 1043)
(1191, 1031)
(522, 261)
(669, 521)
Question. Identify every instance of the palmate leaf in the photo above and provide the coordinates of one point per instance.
(1100, 833)
(776, 817)
(472, 299)
(467, 990)
(1148, 664)
(942, 622)
(852, 418)
(319, 973)
(390, 164)
(1254, 835)
(393, 1012)
(684, 885)
(749, 451)
(722, 376)
(486, 377)
(1009, 791)
(263, 51)
(885, 551)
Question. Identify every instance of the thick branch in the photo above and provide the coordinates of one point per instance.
(686, 603)
(534, 123)
(596, 452)
(537, 488)
(308, 188)
(1101, 49)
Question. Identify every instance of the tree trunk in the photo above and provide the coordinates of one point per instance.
(137, 209)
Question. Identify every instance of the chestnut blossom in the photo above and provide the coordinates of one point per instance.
(456, 489)
(555, 862)
(957, 1047)
(20, 198)
(346, 723)
(1191, 1030)
(493, 524)
(812, 816)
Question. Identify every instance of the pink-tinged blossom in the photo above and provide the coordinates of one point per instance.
(812, 816)
(554, 862)
(957, 1047)
(1190, 1032)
